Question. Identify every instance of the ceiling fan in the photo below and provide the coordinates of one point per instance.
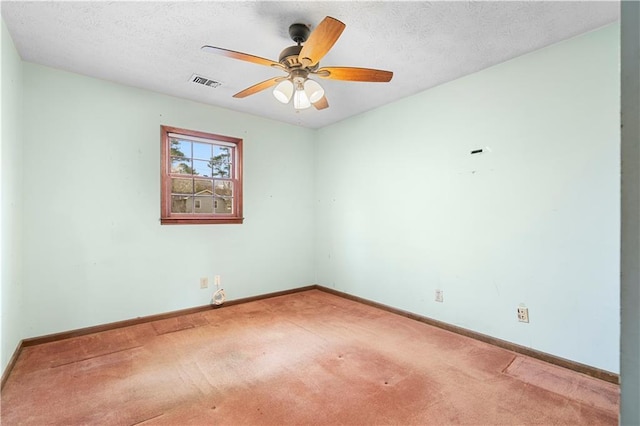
(302, 61)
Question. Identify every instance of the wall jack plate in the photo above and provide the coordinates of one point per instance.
(439, 296)
(204, 282)
(523, 314)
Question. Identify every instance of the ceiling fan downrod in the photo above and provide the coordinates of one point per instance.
(299, 33)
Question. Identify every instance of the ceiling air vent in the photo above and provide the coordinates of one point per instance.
(205, 81)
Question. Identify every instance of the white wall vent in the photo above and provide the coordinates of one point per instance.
(195, 78)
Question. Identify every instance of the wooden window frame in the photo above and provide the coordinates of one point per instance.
(169, 218)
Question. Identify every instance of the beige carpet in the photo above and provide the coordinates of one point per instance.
(308, 358)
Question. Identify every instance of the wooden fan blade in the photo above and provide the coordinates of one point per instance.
(320, 41)
(242, 56)
(322, 103)
(258, 87)
(355, 74)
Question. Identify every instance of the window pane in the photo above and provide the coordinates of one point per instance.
(202, 151)
(181, 166)
(181, 204)
(224, 205)
(203, 205)
(201, 168)
(221, 161)
(224, 188)
(180, 148)
(181, 186)
(203, 187)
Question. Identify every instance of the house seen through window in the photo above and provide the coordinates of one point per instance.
(201, 177)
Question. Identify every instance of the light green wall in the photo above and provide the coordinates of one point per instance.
(94, 249)
(404, 209)
(12, 315)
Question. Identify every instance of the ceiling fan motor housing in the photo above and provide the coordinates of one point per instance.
(289, 56)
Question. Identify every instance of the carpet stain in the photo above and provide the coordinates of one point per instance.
(171, 325)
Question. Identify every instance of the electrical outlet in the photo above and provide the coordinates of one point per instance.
(523, 314)
(439, 296)
(216, 280)
(204, 282)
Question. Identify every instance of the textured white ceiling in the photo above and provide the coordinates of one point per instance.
(156, 45)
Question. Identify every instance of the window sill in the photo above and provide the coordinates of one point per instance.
(200, 221)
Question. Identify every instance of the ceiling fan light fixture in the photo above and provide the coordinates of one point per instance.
(283, 91)
(314, 91)
(300, 99)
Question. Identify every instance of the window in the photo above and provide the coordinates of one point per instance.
(201, 177)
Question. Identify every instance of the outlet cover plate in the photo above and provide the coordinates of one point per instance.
(523, 314)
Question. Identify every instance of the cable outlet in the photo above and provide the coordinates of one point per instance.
(216, 280)
(439, 296)
(523, 314)
(204, 282)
